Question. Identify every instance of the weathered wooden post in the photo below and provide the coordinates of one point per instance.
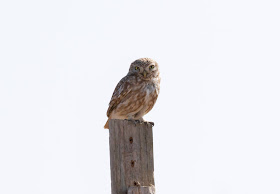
(131, 157)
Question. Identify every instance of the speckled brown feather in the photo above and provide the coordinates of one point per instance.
(121, 91)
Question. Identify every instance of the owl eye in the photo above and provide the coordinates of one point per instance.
(136, 68)
(152, 66)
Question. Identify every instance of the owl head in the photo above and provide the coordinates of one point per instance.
(145, 68)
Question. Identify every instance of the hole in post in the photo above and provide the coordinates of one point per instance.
(131, 140)
(132, 163)
(136, 183)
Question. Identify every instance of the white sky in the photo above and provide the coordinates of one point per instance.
(217, 117)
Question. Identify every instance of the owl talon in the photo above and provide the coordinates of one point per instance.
(152, 123)
(138, 122)
(134, 121)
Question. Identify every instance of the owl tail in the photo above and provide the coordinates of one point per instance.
(106, 126)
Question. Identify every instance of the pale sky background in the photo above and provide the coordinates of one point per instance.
(217, 119)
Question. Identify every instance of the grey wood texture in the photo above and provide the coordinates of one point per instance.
(141, 190)
(131, 155)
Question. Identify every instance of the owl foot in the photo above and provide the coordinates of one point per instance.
(135, 121)
(152, 123)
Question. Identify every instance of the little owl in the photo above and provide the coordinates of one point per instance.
(136, 93)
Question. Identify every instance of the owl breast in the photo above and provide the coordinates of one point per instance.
(151, 93)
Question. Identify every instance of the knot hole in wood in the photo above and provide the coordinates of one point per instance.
(131, 140)
(136, 183)
(132, 163)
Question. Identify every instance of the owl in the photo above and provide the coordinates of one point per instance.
(136, 93)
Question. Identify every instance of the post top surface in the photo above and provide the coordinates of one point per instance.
(132, 122)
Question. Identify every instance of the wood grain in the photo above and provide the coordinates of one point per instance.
(131, 156)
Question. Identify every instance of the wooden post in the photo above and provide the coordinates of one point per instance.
(131, 157)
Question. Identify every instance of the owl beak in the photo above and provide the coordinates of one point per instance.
(145, 74)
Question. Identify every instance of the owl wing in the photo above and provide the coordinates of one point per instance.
(121, 91)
